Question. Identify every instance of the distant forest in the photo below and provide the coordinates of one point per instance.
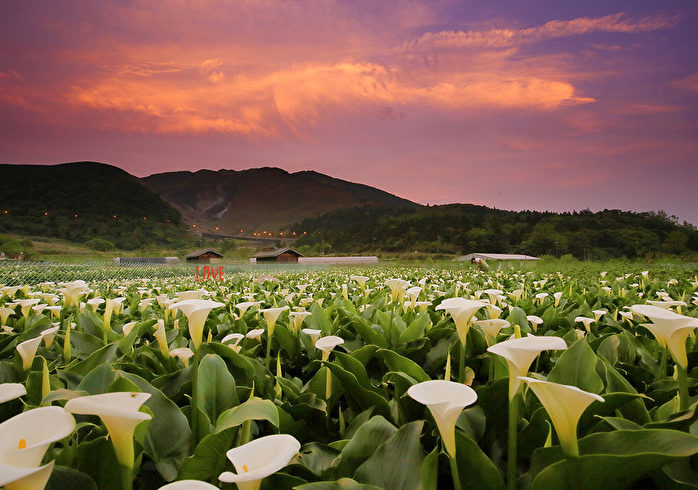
(465, 228)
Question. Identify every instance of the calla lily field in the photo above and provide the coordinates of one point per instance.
(352, 378)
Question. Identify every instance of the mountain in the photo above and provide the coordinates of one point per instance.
(85, 200)
(262, 198)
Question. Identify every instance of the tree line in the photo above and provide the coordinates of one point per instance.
(466, 228)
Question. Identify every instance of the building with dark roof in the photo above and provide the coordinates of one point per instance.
(283, 255)
(204, 255)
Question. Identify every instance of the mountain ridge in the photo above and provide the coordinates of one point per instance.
(262, 198)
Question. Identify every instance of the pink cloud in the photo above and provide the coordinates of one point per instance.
(689, 82)
(505, 37)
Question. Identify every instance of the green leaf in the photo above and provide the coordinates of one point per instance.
(577, 367)
(366, 331)
(397, 462)
(253, 409)
(208, 460)
(474, 467)
(415, 329)
(472, 421)
(356, 393)
(396, 362)
(517, 317)
(430, 471)
(367, 438)
(98, 380)
(611, 459)
(60, 395)
(63, 477)
(341, 484)
(106, 354)
(138, 330)
(317, 457)
(216, 387)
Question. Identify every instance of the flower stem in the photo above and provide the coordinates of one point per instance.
(461, 364)
(683, 387)
(268, 358)
(194, 402)
(454, 472)
(244, 436)
(126, 478)
(511, 449)
(328, 385)
(662, 362)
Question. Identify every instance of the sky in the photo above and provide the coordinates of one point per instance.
(533, 104)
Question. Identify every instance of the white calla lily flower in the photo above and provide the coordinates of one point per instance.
(491, 328)
(258, 459)
(298, 318)
(670, 329)
(5, 313)
(49, 334)
(19, 478)
(445, 400)
(26, 305)
(234, 339)
(270, 316)
(326, 344)
(24, 438)
(397, 288)
(360, 280)
(72, 292)
(520, 353)
(183, 354)
(27, 351)
(188, 485)
(462, 311)
(196, 311)
(120, 414)
(10, 391)
(313, 333)
(255, 334)
(565, 404)
(161, 337)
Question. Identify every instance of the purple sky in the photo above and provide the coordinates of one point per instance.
(511, 104)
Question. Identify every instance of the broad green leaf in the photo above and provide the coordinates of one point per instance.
(356, 393)
(208, 460)
(577, 367)
(253, 409)
(430, 471)
(396, 362)
(415, 329)
(611, 459)
(341, 484)
(317, 457)
(63, 477)
(367, 438)
(216, 387)
(474, 467)
(396, 463)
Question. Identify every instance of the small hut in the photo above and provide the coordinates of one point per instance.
(282, 255)
(207, 255)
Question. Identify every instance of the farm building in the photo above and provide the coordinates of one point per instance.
(204, 255)
(284, 255)
(488, 256)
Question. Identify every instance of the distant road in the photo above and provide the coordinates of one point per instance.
(217, 236)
